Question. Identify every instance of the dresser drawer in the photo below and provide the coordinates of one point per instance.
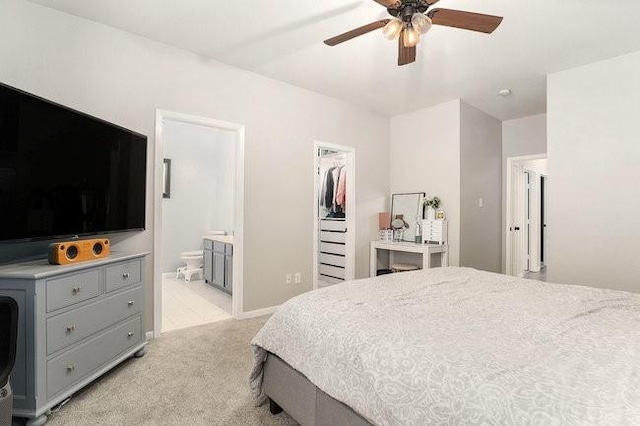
(332, 248)
(72, 289)
(71, 327)
(228, 249)
(333, 237)
(333, 225)
(207, 244)
(332, 259)
(332, 271)
(72, 366)
(123, 274)
(218, 246)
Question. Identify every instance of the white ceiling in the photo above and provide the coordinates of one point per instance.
(282, 39)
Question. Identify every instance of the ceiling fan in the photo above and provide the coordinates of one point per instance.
(412, 18)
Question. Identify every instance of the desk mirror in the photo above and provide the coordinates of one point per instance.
(410, 207)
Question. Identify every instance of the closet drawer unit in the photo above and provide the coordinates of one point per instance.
(71, 327)
(333, 225)
(208, 244)
(123, 274)
(228, 249)
(72, 366)
(331, 259)
(330, 280)
(332, 271)
(333, 237)
(72, 289)
(333, 248)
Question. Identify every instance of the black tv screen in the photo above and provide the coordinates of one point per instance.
(65, 173)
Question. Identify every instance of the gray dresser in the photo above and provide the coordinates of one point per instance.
(76, 322)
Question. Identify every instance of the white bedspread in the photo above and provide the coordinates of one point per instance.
(456, 346)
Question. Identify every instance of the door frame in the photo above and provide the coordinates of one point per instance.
(238, 249)
(507, 242)
(350, 215)
(543, 215)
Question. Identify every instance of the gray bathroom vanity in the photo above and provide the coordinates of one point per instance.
(218, 262)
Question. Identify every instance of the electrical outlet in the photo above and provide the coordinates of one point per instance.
(480, 202)
(298, 277)
(287, 279)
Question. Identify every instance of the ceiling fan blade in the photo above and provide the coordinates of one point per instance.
(406, 55)
(465, 20)
(390, 4)
(357, 32)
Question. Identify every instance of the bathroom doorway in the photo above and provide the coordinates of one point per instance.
(198, 221)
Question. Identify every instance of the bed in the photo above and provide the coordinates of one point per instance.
(452, 346)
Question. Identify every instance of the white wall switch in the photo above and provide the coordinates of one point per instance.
(288, 279)
(298, 277)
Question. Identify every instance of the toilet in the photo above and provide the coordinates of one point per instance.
(193, 265)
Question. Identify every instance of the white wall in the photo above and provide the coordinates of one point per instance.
(520, 137)
(202, 187)
(480, 178)
(425, 157)
(123, 78)
(594, 191)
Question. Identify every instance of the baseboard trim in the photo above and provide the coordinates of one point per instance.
(168, 275)
(150, 335)
(259, 312)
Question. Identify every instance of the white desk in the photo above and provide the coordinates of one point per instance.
(425, 249)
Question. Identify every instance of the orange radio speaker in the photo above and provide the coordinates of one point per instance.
(69, 252)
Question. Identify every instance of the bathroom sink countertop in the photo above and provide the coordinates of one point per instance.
(227, 239)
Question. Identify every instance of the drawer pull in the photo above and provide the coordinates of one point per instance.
(76, 289)
(125, 275)
(71, 328)
(130, 334)
(71, 367)
(131, 303)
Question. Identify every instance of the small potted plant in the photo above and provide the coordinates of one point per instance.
(431, 204)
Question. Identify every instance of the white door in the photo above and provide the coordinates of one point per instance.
(518, 226)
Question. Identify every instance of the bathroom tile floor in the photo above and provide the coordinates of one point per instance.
(187, 304)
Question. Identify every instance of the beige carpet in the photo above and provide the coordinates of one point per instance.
(194, 376)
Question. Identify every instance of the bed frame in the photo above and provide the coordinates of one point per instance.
(292, 392)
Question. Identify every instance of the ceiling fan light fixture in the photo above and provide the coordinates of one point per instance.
(393, 29)
(411, 37)
(421, 22)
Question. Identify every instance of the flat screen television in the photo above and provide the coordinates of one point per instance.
(64, 173)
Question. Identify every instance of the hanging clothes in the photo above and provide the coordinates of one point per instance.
(332, 193)
(336, 176)
(327, 193)
(342, 188)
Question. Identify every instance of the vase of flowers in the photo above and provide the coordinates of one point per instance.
(431, 204)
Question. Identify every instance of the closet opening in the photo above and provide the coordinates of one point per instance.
(526, 223)
(334, 214)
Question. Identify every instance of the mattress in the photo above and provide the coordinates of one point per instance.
(461, 346)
